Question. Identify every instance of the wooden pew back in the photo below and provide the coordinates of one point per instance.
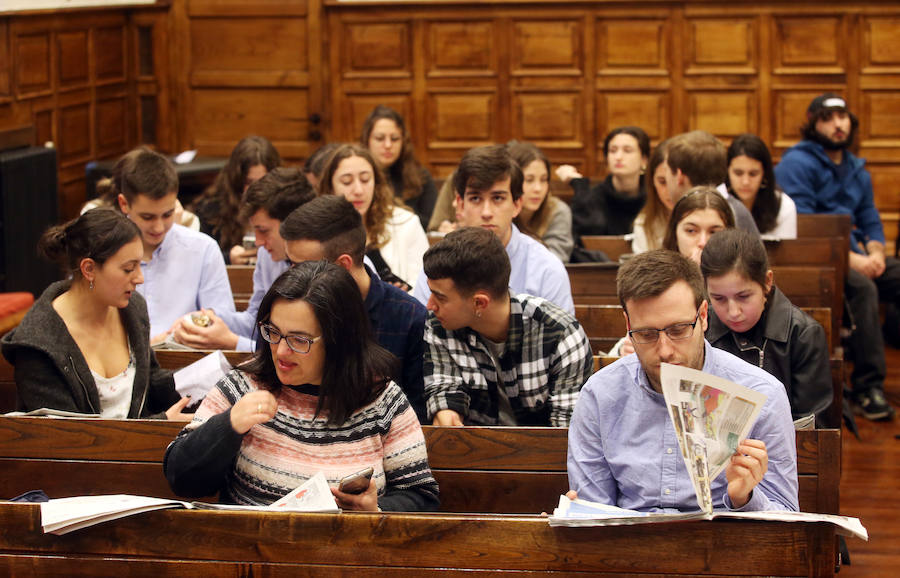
(240, 277)
(486, 470)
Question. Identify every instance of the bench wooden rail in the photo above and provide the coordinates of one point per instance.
(240, 277)
(479, 469)
(222, 543)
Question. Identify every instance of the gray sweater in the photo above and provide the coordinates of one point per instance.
(51, 371)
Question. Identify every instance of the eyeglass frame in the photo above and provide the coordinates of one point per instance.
(269, 329)
(666, 330)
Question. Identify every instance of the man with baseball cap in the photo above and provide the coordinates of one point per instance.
(822, 176)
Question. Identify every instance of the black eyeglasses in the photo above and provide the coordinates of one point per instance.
(676, 332)
(297, 343)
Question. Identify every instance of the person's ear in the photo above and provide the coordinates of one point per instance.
(345, 261)
(519, 203)
(481, 301)
(704, 315)
(627, 321)
(123, 203)
(88, 268)
(770, 280)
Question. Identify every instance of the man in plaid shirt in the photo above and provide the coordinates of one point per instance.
(494, 358)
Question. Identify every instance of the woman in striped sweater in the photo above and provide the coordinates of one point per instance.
(315, 397)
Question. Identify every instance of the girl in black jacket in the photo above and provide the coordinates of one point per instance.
(752, 319)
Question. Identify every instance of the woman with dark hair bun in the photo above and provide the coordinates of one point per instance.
(752, 319)
(751, 178)
(84, 346)
(317, 396)
(219, 206)
(611, 207)
(384, 133)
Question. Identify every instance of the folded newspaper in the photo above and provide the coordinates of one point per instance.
(711, 416)
(68, 514)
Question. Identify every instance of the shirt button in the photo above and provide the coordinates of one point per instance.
(668, 491)
(668, 450)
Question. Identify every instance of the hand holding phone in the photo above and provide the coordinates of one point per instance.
(356, 483)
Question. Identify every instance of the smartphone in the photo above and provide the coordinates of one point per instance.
(356, 483)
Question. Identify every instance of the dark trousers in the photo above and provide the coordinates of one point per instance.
(867, 342)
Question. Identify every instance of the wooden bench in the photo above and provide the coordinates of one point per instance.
(613, 246)
(172, 359)
(479, 469)
(7, 386)
(240, 277)
(809, 225)
(396, 545)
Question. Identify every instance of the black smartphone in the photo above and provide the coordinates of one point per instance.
(356, 483)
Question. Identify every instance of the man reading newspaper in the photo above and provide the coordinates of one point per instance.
(623, 447)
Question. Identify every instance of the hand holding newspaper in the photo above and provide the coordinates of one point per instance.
(711, 416)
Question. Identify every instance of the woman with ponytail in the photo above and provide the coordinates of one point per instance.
(84, 345)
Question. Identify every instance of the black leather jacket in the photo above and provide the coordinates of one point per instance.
(791, 346)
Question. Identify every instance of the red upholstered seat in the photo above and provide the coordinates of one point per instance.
(13, 307)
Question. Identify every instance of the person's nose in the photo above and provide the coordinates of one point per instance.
(358, 188)
(703, 239)
(487, 211)
(259, 240)
(431, 305)
(283, 350)
(664, 347)
(138, 277)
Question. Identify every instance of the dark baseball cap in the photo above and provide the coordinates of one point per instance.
(827, 101)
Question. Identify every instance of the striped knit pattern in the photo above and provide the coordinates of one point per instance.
(279, 455)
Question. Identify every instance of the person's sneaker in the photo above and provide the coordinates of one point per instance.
(873, 405)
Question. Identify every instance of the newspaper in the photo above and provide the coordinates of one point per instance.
(711, 416)
(65, 515)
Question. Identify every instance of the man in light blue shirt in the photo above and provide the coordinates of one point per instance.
(623, 449)
(488, 185)
(183, 269)
(266, 203)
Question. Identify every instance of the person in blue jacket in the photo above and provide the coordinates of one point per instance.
(822, 176)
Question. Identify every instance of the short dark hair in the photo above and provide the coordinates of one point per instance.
(696, 199)
(98, 234)
(140, 171)
(700, 156)
(735, 250)
(652, 273)
(483, 166)
(279, 192)
(356, 368)
(637, 132)
(331, 220)
(473, 258)
(316, 162)
(768, 202)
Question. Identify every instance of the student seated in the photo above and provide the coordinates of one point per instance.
(488, 185)
(611, 206)
(650, 224)
(696, 216)
(698, 159)
(84, 346)
(313, 398)
(183, 269)
(751, 179)
(396, 240)
(543, 216)
(752, 319)
(623, 449)
(220, 205)
(493, 357)
(329, 228)
(266, 203)
(384, 134)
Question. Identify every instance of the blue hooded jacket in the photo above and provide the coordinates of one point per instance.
(809, 176)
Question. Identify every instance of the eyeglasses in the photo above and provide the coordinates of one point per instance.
(297, 343)
(676, 332)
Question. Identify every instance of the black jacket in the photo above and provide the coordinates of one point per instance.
(791, 346)
(603, 210)
(51, 371)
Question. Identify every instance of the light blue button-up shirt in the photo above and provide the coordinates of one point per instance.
(187, 273)
(623, 449)
(534, 270)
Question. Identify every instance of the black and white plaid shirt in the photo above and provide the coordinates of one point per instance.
(546, 361)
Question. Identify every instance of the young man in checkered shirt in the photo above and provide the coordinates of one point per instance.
(494, 358)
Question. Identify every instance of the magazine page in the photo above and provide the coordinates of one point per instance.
(583, 513)
(64, 515)
(198, 378)
(711, 416)
(313, 496)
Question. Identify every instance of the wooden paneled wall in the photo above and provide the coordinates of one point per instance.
(93, 82)
(562, 74)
